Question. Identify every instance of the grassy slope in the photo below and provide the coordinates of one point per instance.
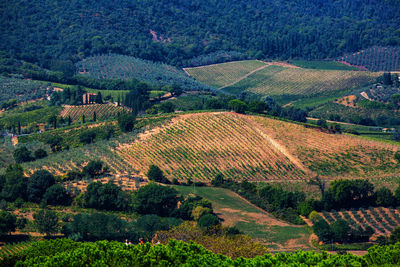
(315, 77)
(235, 211)
(222, 74)
(198, 146)
(322, 65)
(277, 80)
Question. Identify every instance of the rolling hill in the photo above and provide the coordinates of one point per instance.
(241, 147)
(278, 79)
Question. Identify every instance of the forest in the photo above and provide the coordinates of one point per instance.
(49, 32)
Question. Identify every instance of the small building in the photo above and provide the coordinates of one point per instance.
(389, 130)
(89, 98)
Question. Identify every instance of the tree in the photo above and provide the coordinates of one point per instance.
(257, 106)
(395, 235)
(340, 230)
(208, 221)
(14, 183)
(22, 154)
(7, 222)
(238, 106)
(167, 107)
(384, 197)
(176, 90)
(94, 168)
(87, 137)
(155, 199)
(218, 180)
(126, 121)
(55, 143)
(387, 78)
(40, 153)
(52, 120)
(83, 119)
(156, 174)
(69, 120)
(38, 184)
(98, 99)
(106, 197)
(322, 230)
(57, 195)
(322, 123)
(46, 221)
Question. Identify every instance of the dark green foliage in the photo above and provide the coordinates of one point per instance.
(397, 156)
(94, 168)
(40, 153)
(38, 183)
(55, 143)
(7, 222)
(340, 230)
(218, 180)
(106, 197)
(322, 230)
(322, 123)
(14, 183)
(166, 107)
(156, 174)
(46, 221)
(57, 195)
(149, 224)
(98, 99)
(9, 104)
(385, 198)
(395, 235)
(208, 221)
(21, 223)
(87, 137)
(387, 78)
(186, 208)
(126, 121)
(22, 154)
(96, 226)
(257, 106)
(349, 194)
(155, 199)
(238, 106)
(52, 120)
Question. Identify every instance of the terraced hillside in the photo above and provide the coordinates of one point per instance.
(279, 79)
(381, 220)
(103, 111)
(198, 146)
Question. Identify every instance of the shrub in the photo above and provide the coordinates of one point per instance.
(207, 221)
(7, 222)
(57, 195)
(94, 168)
(40, 153)
(22, 154)
(126, 121)
(156, 174)
(314, 216)
(38, 183)
(238, 106)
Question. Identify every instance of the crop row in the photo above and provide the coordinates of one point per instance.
(11, 249)
(203, 145)
(375, 58)
(381, 220)
(103, 111)
(20, 89)
(113, 66)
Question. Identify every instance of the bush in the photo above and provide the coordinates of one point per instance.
(87, 137)
(208, 221)
(314, 216)
(38, 183)
(94, 168)
(40, 153)
(46, 221)
(126, 122)
(238, 106)
(22, 154)
(57, 195)
(106, 197)
(156, 174)
(7, 222)
(166, 107)
(385, 198)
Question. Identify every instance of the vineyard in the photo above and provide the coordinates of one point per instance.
(381, 220)
(114, 66)
(11, 249)
(375, 59)
(103, 111)
(219, 75)
(20, 89)
(198, 146)
(278, 80)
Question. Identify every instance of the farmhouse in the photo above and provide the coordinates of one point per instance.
(88, 98)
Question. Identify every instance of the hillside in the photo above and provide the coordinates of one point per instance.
(278, 79)
(198, 146)
(174, 32)
(121, 67)
(103, 111)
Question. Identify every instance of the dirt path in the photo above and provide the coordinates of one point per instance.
(243, 77)
(278, 147)
(364, 94)
(338, 122)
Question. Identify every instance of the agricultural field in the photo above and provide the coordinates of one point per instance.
(103, 111)
(219, 75)
(122, 67)
(11, 249)
(322, 65)
(375, 59)
(114, 94)
(236, 211)
(381, 220)
(278, 80)
(255, 148)
(20, 89)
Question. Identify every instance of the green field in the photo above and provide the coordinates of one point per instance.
(114, 94)
(277, 235)
(278, 80)
(219, 75)
(321, 65)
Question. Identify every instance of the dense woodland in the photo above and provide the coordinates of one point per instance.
(176, 31)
